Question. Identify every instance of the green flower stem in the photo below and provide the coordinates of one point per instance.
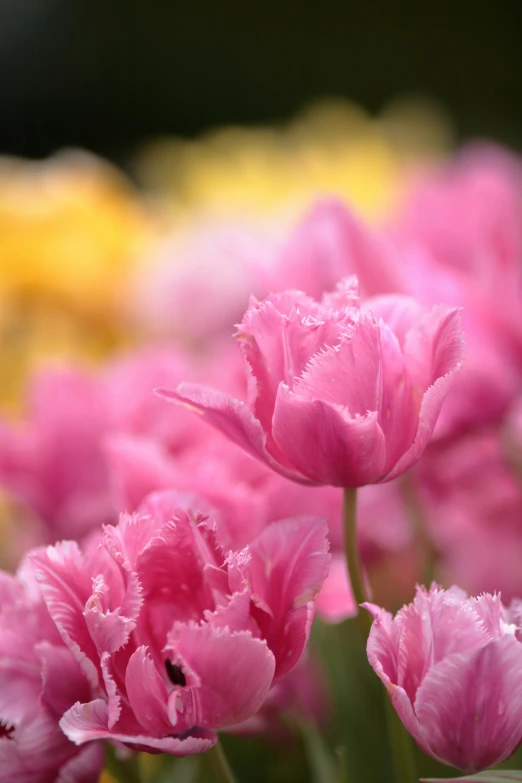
(400, 741)
(401, 745)
(352, 558)
(218, 764)
(409, 490)
(124, 770)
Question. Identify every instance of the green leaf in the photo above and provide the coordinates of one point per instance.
(495, 776)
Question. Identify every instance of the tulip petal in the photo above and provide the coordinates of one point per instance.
(439, 336)
(235, 669)
(326, 444)
(289, 563)
(86, 722)
(470, 705)
(65, 587)
(234, 419)
(147, 693)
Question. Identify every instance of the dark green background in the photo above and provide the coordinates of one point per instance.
(107, 73)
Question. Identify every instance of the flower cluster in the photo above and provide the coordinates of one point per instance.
(171, 570)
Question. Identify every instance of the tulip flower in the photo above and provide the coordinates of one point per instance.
(178, 636)
(452, 668)
(39, 681)
(341, 393)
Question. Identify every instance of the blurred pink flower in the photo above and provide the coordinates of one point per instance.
(179, 636)
(473, 504)
(460, 232)
(39, 681)
(55, 461)
(339, 393)
(452, 667)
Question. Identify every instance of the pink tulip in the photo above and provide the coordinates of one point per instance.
(340, 393)
(39, 681)
(452, 668)
(179, 636)
(244, 496)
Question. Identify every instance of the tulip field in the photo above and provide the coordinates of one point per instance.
(261, 460)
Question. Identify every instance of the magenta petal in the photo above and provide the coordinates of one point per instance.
(235, 670)
(147, 693)
(234, 419)
(326, 444)
(470, 705)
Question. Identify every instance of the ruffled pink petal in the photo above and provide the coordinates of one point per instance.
(110, 630)
(235, 670)
(277, 337)
(234, 419)
(347, 374)
(66, 586)
(326, 444)
(147, 694)
(233, 615)
(470, 705)
(86, 722)
(289, 563)
(438, 623)
(114, 702)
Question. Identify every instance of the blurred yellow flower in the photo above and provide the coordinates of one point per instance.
(71, 230)
(334, 148)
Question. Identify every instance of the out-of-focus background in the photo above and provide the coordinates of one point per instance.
(105, 75)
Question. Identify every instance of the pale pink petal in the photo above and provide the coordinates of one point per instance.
(437, 623)
(470, 705)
